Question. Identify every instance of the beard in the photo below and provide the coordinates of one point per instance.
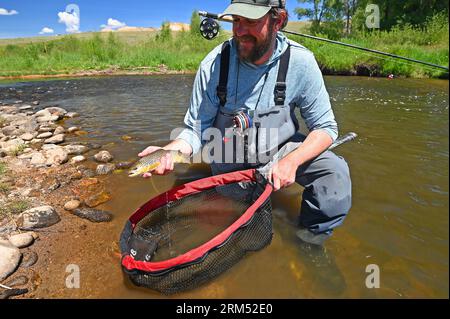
(257, 50)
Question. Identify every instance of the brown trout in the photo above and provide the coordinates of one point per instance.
(151, 162)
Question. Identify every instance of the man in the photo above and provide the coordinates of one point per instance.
(254, 68)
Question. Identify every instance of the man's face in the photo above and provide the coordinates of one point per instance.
(254, 38)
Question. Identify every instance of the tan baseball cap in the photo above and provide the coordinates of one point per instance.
(252, 9)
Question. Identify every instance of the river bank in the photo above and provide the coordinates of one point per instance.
(167, 52)
(48, 193)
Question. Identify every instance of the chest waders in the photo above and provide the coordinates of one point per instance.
(251, 137)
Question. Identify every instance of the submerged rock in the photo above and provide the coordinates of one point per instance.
(93, 215)
(104, 169)
(124, 165)
(77, 159)
(17, 281)
(73, 129)
(103, 156)
(29, 258)
(8, 293)
(97, 199)
(76, 149)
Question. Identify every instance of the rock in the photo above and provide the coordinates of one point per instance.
(11, 145)
(42, 113)
(73, 129)
(35, 102)
(50, 118)
(38, 217)
(25, 156)
(76, 149)
(97, 199)
(72, 115)
(17, 281)
(59, 130)
(6, 294)
(126, 138)
(38, 159)
(45, 129)
(36, 141)
(89, 173)
(29, 259)
(104, 169)
(80, 133)
(9, 130)
(56, 156)
(77, 159)
(124, 165)
(93, 215)
(21, 240)
(46, 147)
(58, 111)
(25, 107)
(72, 204)
(2, 153)
(55, 139)
(9, 259)
(28, 136)
(103, 157)
(76, 175)
(45, 135)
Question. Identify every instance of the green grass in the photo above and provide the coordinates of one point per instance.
(3, 169)
(13, 207)
(429, 44)
(183, 51)
(4, 188)
(2, 121)
(18, 150)
(69, 54)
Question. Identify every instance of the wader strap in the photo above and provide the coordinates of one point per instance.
(280, 88)
(223, 80)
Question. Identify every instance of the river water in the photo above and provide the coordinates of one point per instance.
(399, 164)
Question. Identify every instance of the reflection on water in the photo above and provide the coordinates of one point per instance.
(399, 166)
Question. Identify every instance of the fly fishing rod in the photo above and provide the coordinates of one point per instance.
(209, 28)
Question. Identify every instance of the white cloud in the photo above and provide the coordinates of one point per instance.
(4, 12)
(46, 30)
(71, 20)
(113, 24)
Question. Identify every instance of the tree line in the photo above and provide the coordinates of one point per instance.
(337, 18)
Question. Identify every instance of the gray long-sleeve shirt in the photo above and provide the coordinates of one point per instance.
(247, 83)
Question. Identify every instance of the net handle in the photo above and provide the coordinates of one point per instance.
(292, 146)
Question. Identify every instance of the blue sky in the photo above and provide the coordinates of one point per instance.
(27, 18)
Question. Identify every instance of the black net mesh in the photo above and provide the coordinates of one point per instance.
(185, 224)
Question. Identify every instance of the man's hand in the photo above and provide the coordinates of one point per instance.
(166, 165)
(282, 173)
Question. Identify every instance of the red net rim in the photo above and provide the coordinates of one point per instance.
(188, 189)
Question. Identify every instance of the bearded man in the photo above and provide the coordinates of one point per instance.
(263, 77)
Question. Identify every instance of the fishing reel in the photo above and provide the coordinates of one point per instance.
(209, 28)
(242, 121)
